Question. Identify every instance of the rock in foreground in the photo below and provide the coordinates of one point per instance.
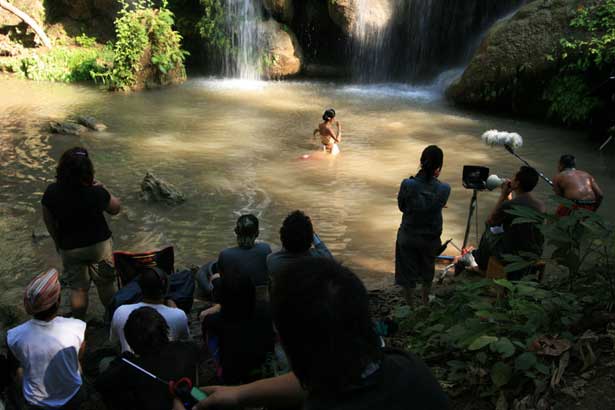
(66, 128)
(91, 123)
(154, 189)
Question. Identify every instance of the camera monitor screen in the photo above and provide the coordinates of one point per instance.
(475, 177)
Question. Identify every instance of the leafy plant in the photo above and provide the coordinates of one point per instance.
(212, 26)
(485, 334)
(85, 41)
(65, 64)
(144, 36)
(585, 58)
(570, 99)
(583, 246)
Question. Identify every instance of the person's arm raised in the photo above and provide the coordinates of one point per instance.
(278, 392)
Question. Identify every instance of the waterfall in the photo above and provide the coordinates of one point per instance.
(415, 40)
(371, 33)
(242, 25)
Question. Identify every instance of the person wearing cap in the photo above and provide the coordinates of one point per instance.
(73, 211)
(328, 137)
(154, 284)
(48, 348)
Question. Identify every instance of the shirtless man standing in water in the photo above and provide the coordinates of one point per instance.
(328, 137)
(577, 186)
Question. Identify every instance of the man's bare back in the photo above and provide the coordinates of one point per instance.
(576, 185)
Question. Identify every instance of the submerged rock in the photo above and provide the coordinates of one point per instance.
(154, 189)
(91, 123)
(66, 128)
(40, 233)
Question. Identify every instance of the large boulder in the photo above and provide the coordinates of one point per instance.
(347, 14)
(282, 10)
(282, 56)
(510, 70)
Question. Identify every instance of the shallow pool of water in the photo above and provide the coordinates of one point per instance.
(234, 147)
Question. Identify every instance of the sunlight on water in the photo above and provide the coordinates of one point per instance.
(235, 147)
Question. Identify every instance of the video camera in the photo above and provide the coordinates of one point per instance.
(477, 178)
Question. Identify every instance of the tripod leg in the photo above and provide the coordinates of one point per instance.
(469, 223)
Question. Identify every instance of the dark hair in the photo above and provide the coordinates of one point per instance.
(237, 296)
(568, 161)
(297, 232)
(432, 158)
(527, 177)
(154, 282)
(47, 314)
(246, 230)
(320, 309)
(146, 331)
(329, 114)
(75, 168)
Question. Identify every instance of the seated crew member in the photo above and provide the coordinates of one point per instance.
(321, 312)
(238, 331)
(297, 236)
(48, 348)
(328, 137)
(125, 388)
(248, 257)
(502, 237)
(577, 186)
(154, 285)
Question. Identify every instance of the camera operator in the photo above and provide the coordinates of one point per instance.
(502, 236)
(421, 199)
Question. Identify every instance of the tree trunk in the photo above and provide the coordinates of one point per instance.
(28, 20)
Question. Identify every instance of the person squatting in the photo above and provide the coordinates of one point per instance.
(297, 304)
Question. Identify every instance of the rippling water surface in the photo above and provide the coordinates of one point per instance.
(235, 147)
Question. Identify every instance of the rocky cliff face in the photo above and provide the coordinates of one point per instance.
(509, 72)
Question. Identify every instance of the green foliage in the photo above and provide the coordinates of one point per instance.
(85, 41)
(212, 26)
(64, 64)
(583, 246)
(485, 333)
(584, 57)
(597, 48)
(570, 99)
(144, 36)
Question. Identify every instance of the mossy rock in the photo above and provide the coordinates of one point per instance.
(510, 70)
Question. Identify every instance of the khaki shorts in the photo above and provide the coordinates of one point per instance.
(91, 263)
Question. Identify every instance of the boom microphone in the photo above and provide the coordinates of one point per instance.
(510, 141)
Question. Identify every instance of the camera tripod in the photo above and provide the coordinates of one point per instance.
(473, 210)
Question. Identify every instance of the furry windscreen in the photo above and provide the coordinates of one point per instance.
(495, 137)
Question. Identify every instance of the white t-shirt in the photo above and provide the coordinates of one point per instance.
(49, 355)
(175, 318)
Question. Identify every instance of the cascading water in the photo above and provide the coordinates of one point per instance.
(242, 25)
(415, 40)
(370, 34)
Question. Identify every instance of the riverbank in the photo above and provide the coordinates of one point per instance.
(578, 382)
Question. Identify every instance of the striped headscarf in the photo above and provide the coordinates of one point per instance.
(42, 292)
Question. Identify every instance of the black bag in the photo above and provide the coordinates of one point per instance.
(181, 290)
